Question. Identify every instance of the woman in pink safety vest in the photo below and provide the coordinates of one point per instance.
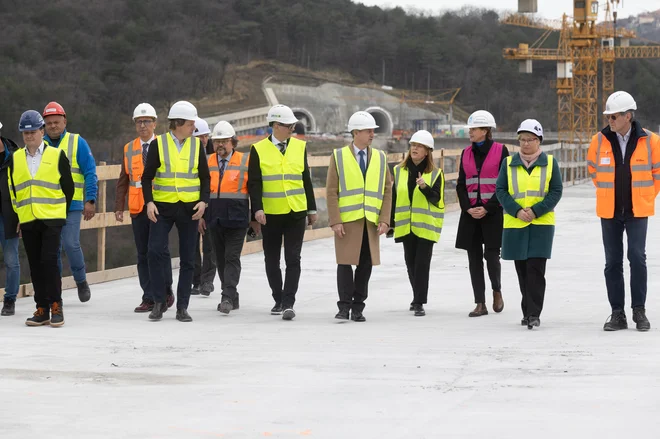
(481, 221)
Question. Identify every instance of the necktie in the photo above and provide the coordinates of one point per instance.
(144, 153)
(363, 163)
(223, 165)
(282, 147)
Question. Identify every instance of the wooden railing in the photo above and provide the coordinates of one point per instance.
(572, 160)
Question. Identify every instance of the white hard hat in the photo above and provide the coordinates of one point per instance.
(281, 114)
(223, 130)
(361, 120)
(201, 127)
(183, 110)
(531, 126)
(144, 110)
(423, 137)
(481, 119)
(619, 102)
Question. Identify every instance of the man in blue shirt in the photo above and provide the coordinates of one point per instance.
(83, 170)
(8, 234)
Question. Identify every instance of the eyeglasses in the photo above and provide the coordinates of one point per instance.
(527, 141)
(144, 122)
(613, 116)
(222, 141)
(289, 126)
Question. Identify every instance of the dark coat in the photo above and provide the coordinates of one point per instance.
(533, 241)
(486, 231)
(9, 217)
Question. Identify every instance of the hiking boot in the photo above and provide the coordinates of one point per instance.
(56, 314)
(479, 310)
(145, 306)
(532, 322)
(194, 291)
(8, 307)
(639, 317)
(183, 316)
(41, 317)
(288, 314)
(342, 314)
(276, 310)
(206, 289)
(84, 293)
(616, 321)
(419, 310)
(498, 302)
(157, 311)
(225, 306)
(357, 316)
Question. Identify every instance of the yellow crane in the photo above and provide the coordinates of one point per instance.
(582, 44)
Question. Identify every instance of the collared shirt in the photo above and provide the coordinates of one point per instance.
(623, 142)
(220, 159)
(33, 161)
(356, 151)
(178, 143)
(149, 142)
(276, 142)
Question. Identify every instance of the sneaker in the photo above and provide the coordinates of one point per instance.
(225, 306)
(639, 317)
(183, 316)
(532, 322)
(41, 317)
(419, 310)
(206, 289)
(616, 321)
(194, 291)
(145, 306)
(56, 314)
(288, 314)
(84, 293)
(8, 307)
(276, 310)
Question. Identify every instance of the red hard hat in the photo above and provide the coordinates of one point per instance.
(53, 108)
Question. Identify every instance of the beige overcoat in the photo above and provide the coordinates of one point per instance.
(347, 248)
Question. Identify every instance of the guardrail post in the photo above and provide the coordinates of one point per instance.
(100, 237)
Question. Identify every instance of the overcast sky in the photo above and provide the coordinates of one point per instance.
(547, 8)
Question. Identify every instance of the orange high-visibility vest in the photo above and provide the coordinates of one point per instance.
(134, 168)
(644, 167)
(234, 180)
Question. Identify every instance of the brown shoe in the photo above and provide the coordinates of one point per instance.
(498, 302)
(479, 310)
(145, 307)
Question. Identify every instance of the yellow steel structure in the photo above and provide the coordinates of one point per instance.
(583, 43)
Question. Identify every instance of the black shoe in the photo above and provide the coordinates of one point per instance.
(342, 314)
(288, 314)
(616, 322)
(206, 289)
(84, 293)
(183, 316)
(41, 317)
(8, 307)
(533, 321)
(236, 303)
(412, 307)
(225, 306)
(157, 312)
(194, 291)
(419, 310)
(357, 316)
(276, 310)
(56, 314)
(639, 317)
(524, 321)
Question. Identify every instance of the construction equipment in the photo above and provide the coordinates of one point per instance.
(582, 44)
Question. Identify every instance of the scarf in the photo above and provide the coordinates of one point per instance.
(529, 159)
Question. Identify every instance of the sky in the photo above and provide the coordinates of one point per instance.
(547, 8)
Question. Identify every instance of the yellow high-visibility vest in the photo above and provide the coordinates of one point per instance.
(420, 217)
(527, 190)
(177, 178)
(69, 144)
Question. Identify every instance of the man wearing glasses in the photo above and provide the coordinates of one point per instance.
(282, 197)
(129, 184)
(624, 164)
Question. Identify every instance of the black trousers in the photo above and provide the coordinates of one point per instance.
(353, 290)
(204, 264)
(228, 245)
(476, 263)
(293, 232)
(418, 253)
(531, 276)
(141, 225)
(42, 245)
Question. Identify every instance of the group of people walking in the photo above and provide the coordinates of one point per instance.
(193, 177)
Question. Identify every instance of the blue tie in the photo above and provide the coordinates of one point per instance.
(363, 164)
(223, 166)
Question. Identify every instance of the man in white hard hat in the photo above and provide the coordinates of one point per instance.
(129, 185)
(228, 215)
(176, 190)
(204, 261)
(359, 197)
(282, 198)
(624, 164)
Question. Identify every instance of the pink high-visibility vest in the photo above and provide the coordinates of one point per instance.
(481, 184)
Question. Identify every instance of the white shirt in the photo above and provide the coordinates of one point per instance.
(148, 142)
(623, 142)
(33, 161)
(356, 150)
(275, 142)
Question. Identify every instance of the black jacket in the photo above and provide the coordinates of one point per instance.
(622, 173)
(9, 217)
(228, 213)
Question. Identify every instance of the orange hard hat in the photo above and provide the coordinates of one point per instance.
(53, 108)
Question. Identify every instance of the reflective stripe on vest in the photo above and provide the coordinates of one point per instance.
(134, 167)
(360, 195)
(234, 180)
(420, 217)
(69, 144)
(480, 183)
(177, 178)
(281, 175)
(527, 190)
(39, 197)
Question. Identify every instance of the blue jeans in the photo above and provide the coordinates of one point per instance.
(613, 242)
(10, 252)
(71, 245)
